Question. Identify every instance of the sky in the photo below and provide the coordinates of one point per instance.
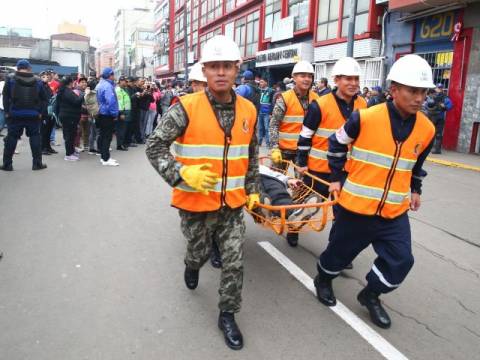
(43, 16)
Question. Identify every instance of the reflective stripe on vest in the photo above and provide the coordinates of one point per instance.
(210, 151)
(291, 124)
(204, 142)
(379, 179)
(332, 119)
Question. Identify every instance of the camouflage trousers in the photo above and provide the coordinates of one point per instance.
(227, 228)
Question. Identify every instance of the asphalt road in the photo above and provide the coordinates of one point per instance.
(93, 269)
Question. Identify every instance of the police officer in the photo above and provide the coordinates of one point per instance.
(214, 173)
(23, 97)
(326, 115)
(390, 142)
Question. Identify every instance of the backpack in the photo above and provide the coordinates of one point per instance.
(254, 96)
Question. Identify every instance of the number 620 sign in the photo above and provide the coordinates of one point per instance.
(437, 26)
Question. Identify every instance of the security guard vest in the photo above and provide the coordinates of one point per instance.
(291, 125)
(381, 169)
(204, 141)
(332, 120)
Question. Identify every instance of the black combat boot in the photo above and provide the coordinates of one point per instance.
(215, 258)
(377, 313)
(231, 332)
(191, 278)
(323, 285)
(39, 166)
(292, 239)
(6, 167)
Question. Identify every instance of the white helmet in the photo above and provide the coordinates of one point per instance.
(303, 67)
(196, 73)
(346, 66)
(220, 48)
(412, 70)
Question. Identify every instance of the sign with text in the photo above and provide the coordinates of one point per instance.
(435, 32)
(284, 55)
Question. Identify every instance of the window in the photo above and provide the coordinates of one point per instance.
(252, 33)
(240, 33)
(229, 5)
(328, 13)
(203, 11)
(361, 17)
(210, 10)
(299, 9)
(195, 15)
(272, 14)
(146, 36)
(178, 58)
(178, 27)
(195, 43)
(229, 30)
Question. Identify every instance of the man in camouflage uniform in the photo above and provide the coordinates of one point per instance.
(225, 225)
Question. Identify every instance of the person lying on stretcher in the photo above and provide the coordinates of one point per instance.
(274, 190)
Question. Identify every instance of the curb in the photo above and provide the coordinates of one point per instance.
(454, 164)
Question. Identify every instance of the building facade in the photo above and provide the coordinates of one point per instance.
(104, 57)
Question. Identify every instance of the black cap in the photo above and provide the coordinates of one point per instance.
(122, 78)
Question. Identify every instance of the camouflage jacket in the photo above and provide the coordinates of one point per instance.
(173, 124)
(278, 114)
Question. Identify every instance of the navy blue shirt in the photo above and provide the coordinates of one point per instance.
(312, 120)
(401, 130)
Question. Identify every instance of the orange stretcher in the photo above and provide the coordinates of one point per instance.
(276, 218)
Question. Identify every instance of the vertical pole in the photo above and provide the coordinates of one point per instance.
(185, 37)
(351, 27)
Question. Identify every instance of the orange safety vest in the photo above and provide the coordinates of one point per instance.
(291, 125)
(204, 141)
(332, 120)
(381, 170)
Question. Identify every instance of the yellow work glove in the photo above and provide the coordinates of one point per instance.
(252, 201)
(276, 156)
(199, 177)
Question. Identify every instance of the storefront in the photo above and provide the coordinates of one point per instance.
(278, 63)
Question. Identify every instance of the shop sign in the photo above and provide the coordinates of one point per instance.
(284, 55)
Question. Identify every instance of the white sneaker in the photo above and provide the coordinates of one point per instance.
(111, 159)
(70, 158)
(109, 162)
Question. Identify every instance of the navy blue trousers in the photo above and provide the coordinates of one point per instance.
(391, 239)
(15, 130)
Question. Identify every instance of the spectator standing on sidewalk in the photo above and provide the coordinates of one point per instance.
(81, 140)
(2, 112)
(437, 104)
(69, 107)
(23, 96)
(47, 121)
(91, 104)
(107, 113)
(124, 107)
(265, 111)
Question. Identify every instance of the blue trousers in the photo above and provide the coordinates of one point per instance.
(391, 239)
(15, 130)
(263, 128)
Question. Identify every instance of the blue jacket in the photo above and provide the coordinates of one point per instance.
(107, 98)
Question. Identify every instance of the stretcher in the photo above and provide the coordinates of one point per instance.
(276, 217)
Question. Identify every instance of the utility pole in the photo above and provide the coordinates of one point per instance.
(351, 27)
(185, 36)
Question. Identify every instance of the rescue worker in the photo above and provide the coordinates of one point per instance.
(287, 118)
(326, 115)
(288, 113)
(390, 142)
(198, 81)
(214, 173)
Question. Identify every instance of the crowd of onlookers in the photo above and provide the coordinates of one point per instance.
(90, 110)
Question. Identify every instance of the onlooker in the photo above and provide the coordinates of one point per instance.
(23, 96)
(91, 104)
(2, 112)
(266, 106)
(107, 113)
(249, 89)
(54, 84)
(152, 110)
(144, 100)
(376, 96)
(124, 108)
(166, 98)
(47, 121)
(69, 106)
(279, 87)
(365, 92)
(81, 140)
(133, 123)
(322, 87)
(436, 105)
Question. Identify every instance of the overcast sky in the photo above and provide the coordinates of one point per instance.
(43, 16)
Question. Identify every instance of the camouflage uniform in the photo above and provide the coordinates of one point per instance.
(226, 226)
(278, 114)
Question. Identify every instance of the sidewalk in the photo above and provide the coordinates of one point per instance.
(456, 159)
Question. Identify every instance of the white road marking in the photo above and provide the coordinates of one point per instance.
(365, 331)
